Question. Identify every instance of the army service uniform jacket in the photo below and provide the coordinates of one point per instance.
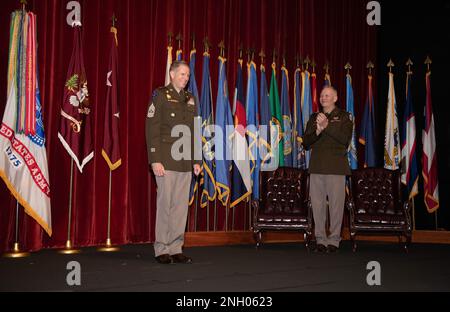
(329, 148)
(168, 109)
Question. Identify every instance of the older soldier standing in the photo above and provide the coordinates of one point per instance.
(172, 111)
(328, 135)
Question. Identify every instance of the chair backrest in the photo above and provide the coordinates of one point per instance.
(376, 191)
(284, 191)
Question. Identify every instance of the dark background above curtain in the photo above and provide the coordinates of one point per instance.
(327, 31)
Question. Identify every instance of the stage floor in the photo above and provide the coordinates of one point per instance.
(283, 267)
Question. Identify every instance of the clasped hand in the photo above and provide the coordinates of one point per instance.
(322, 123)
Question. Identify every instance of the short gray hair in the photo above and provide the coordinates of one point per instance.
(175, 64)
(330, 87)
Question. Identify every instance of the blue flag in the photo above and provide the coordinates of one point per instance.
(327, 80)
(223, 143)
(252, 128)
(192, 88)
(287, 120)
(367, 135)
(298, 156)
(209, 183)
(179, 55)
(351, 154)
(265, 149)
(306, 105)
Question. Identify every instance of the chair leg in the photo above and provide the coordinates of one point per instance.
(306, 239)
(257, 235)
(408, 241)
(353, 240)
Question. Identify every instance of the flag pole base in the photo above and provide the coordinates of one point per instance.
(108, 247)
(69, 250)
(16, 253)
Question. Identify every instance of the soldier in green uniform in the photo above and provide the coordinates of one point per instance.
(328, 135)
(171, 112)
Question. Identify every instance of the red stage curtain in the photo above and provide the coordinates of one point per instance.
(326, 30)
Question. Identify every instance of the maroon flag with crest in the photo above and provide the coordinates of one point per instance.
(75, 128)
(111, 143)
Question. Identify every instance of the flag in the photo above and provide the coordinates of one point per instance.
(209, 171)
(306, 105)
(265, 147)
(327, 80)
(315, 100)
(351, 154)
(111, 142)
(192, 88)
(391, 138)
(75, 127)
(367, 135)
(192, 85)
(410, 174)
(287, 119)
(223, 142)
(241, 180)
(23, 157)
(179, 55)
(299, 151)
(252, 128)
(429, 160)
(169, 62)
(275, 109)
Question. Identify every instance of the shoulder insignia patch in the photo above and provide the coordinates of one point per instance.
(151, 111)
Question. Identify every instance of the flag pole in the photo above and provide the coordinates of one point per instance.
(436, 220)
(207, 215)
(188, 216)
(109, 246)
(69, 249)
(16, 253)
(23, 3)
(196, 205)
(233, 217)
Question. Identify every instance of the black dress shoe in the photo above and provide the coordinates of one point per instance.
(332, 249)
(164, 259)
(321, 248)
(180, 258)
(312, 246)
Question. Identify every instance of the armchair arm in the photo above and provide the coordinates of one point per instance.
(310, 216)
(255, 205)
(407, 206)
